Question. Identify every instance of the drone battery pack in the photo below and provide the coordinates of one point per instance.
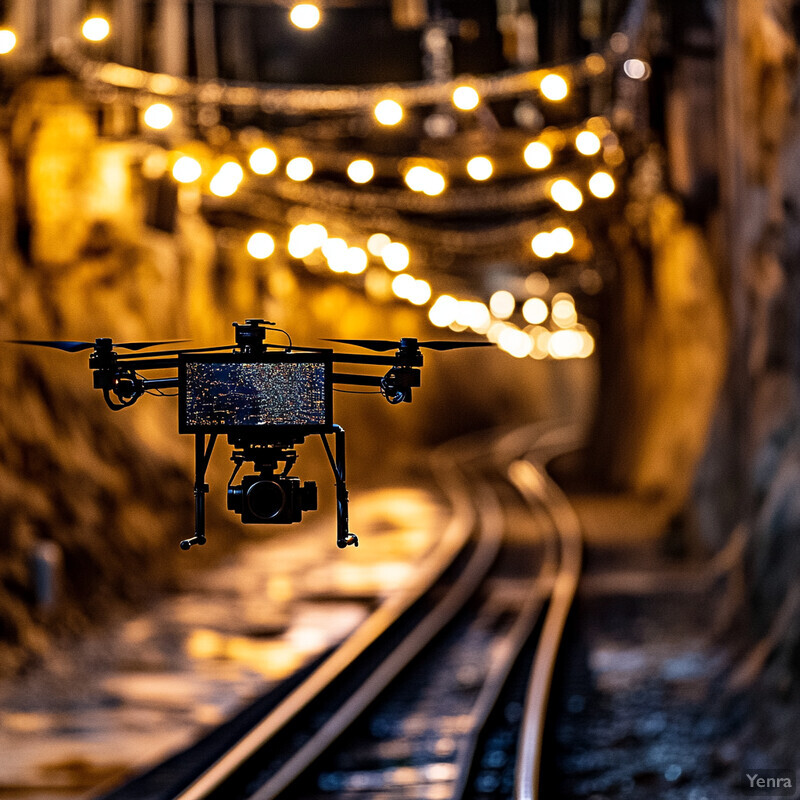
(268, 395)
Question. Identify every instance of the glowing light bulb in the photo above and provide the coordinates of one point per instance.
(443, 311)
(420, 292)
(8, 41)
(388, 112)
(562, 240)
(538, 155)
(305, 239)
(480, 168)
(515, 342)
(335, 252)
(465, 98)
(305, 16)
(396, 256)
(403, 286)
(566, 194)
(227, 179)
(554, 87)
(434, 183)
(587, 143)
(535, 310)
(601, 185)
(263, 161)
(542, 245)
(300, 169)
(563, 311)
(316, 234)
(416, 177)
(186, 169)
(502, 304)
(158, 116)
(360, 171)
(377, 242)
(95, 29)
(565, 344)
(261, 245)
(636, 68)
(356, 260)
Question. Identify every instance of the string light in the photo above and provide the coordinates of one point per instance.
(566, 194)
(535, 310)
(443, 311)
(587, 143)
(186, 169)
(515, 342)
(305, 16)
(261, 245)
(356, 260)
(300, 169)
(562, 310)
(95, 29)
(403, 285)
(502, 304)
(377, 242)
(562, 239)
(538, 155)
(480, 168)
(227, 179)
(263, 161)
(542, 245)
(601, 185)
(554, 87)
(8, 41)
(335, 252)
(420, 292)
(396, 256)
(388, 112)
(360, 171)
(636, 68)
(465, 98)
(158, 116)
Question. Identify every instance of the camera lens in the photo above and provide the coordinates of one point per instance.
(266, 499)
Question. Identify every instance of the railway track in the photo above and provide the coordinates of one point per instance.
(442, 692)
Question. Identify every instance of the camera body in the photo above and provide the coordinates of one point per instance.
(270, 499)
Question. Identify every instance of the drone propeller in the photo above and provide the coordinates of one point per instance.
(384, 344)
(76, 347)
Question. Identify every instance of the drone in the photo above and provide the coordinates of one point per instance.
(266, 398)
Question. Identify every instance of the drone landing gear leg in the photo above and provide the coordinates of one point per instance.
(343, 536)
(201, 458)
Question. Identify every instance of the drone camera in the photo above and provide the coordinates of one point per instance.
(266, 499)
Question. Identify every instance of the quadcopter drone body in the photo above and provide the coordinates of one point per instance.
(266, 398)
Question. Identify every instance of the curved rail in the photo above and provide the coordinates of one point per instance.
(533, 483)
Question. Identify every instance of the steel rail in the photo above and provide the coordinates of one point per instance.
(450, 544)
(534, 484)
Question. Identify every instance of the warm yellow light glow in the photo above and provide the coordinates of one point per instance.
(227, 179)
(335, 252)
(155, 164)
(541, 338)
(443, 311)
(562, 239)
(502, 304)
(403, 285)
(263, 161)
(535, 310)
(305, 239)
(305, 16)
(396, 256)
(300, 169)
(538, 155)
(158, 116)
(420, 292)
(8, 41)
(602, 185)
(415, 178)
(261, 245)
(566, 194)
(434, 183)
(186, 169)
(565, 344)
(360, 171)
(356, 260)
(594, 63)
(587, 143)
(542, 245)
(466, 98)
(473, 315)
(480, 168)
(554, 87)
(95, 29)
(515, 342)
(388, 112)
(563, 311)
(377, 242)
